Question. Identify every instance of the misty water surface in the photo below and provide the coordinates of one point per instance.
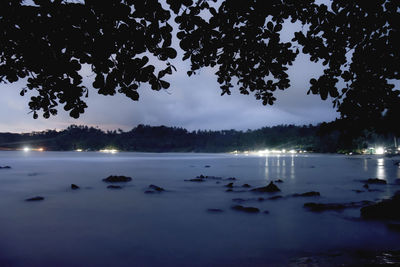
(96, 226)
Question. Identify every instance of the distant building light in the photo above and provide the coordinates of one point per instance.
(79, 150)
(26, 149)
(40, 149)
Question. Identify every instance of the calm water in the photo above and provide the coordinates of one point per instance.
(96, 226)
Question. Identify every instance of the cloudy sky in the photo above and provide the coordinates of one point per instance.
(191, 102)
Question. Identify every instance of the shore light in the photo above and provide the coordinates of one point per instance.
(379, 151)
(26, 149)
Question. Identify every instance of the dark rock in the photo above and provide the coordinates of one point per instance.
(278, 181)
(358, 191)
(230, 185)
(117, 179)
(375, 181)
(308, 194)
(246, 209)
(5, 167)
(246, 186)
(268, 189)
(366, 186)
(266, 212)
(229, 190)
(156, 188)
(260, 199)
(215, 210)
(149, 192)
(114, 187)
(275, 197)
(38, 198)
(385, 209)
(195, 180)
(318, 207)
(74, 186)
(201, 176)
(231, 179)
(207, 166)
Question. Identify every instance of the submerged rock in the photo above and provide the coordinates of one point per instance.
(74, 187)
(385, 209)
(268, 189)
(278, 181)
(366, 186)
(114, 187)
(375, 181)
(308, 194)
(246, 186)
(266, 211)
(156, 188)
(240, 200)
(117, 179)
(195, 180)
(246, 209)
(38, 198)
(207, 166)
(231, 179)
(275, 197)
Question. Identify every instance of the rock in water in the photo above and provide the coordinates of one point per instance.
(246, 209)
(38, 198)
(269, 188)
(156, 188)
(375, 181)
(278, 181)
(230, 185)
(308, 194)
(386, 209)
(5, 167)
(74, 186)
(117, 179)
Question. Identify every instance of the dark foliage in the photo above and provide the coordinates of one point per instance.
(357, 41)
(172, 139)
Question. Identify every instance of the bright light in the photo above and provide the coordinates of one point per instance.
(292, 151)
(40, 149)
(27, 149)
(112, 151)
(379, 151)
(78, 150)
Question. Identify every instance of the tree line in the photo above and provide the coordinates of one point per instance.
(143, 138)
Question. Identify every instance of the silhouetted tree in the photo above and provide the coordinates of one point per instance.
(357, 41)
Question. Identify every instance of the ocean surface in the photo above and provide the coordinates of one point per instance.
(97, 226)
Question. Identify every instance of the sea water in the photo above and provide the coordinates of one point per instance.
(97, 226)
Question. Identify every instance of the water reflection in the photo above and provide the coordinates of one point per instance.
(292, 168)
(380, 170)
(365, 164)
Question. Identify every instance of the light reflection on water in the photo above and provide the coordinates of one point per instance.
(380, 169)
